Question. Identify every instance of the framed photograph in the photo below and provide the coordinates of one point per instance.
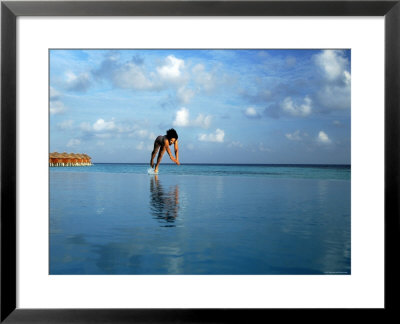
(186, 161)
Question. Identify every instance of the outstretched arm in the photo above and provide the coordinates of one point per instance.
(176, 152)
(169, 152)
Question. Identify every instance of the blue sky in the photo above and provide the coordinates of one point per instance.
(228, 106)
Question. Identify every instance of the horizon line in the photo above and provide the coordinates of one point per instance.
(218, 163)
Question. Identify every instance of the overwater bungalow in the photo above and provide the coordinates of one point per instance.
(69, 159)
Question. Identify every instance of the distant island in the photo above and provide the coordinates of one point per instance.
(69, 159)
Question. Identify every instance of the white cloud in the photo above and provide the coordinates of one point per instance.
(143, 133)
(66, 124)
(236, 144)
(333, 64)
(289, 107)
(336, 123)
(252, 113)
(57, 107)
(141, 146)
(182, 119)
(71, 77)
(323, 138)
(126, 75)
(73, 142)
(347, 77)
(101, 125)
(132, 76)
(204, 79)
(295, 136)
(185, 95)
(79, 82)
(172, 69)
(334, 97)
(218, 136)
(202, 121)
(106, 129)
(198, 69)
(335, 88)
(54, 94)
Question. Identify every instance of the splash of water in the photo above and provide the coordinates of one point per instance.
(151, 171)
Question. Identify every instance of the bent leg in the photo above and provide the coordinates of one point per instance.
(153, 154)
(159, 158)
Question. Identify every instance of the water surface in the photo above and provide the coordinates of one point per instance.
(117, 219)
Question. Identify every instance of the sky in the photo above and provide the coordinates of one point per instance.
(227, 106)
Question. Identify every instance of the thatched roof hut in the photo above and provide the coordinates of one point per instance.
(69, 159)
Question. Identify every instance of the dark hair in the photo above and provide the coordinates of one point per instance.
(171, 133)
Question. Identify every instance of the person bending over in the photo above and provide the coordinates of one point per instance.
(161, 144)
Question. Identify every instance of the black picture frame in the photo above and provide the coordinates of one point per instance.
(10, 10)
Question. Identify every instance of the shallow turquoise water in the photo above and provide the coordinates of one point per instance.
(256, 170)
(104, 220)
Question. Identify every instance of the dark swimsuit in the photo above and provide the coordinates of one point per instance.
(160, 140)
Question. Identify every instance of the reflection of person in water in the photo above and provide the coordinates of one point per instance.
(164, 205)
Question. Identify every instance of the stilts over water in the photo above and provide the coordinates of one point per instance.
(69, 159)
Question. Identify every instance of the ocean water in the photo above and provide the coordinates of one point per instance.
(200, 219)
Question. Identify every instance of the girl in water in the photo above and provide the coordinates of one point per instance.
(162, 144)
